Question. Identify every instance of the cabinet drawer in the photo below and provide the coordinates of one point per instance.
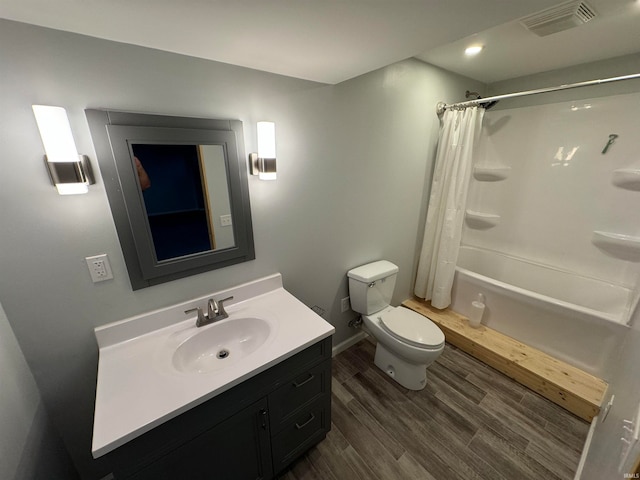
(296, 394)
(304, 430)
(303, 360)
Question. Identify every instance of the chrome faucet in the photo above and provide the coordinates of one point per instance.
(215, 312)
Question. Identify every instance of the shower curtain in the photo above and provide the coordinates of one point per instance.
(447, 201)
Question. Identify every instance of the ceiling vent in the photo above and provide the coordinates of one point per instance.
(561, 17)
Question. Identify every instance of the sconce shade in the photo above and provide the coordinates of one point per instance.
(55, 132)
(69, 172)
(266, 140)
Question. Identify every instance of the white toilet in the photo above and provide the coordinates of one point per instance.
(407, 341)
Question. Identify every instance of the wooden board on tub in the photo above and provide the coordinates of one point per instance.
(578, 392)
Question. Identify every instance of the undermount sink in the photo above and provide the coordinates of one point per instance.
(221, 345)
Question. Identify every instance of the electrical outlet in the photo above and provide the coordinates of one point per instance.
(99, 268)
(345, 306)
(225, 220)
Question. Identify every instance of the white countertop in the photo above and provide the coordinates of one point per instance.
(138, 386)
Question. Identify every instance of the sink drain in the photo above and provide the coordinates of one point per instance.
(223, 353)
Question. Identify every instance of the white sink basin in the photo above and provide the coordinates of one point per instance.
(221, 345)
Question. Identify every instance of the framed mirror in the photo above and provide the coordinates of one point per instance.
(178, 192)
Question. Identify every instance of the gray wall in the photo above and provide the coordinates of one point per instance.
(29, 446)
(353, 163)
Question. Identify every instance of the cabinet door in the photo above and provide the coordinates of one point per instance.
(238, 448)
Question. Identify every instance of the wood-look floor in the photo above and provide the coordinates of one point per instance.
(470, 422)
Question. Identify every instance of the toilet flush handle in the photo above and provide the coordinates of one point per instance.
(372, 284)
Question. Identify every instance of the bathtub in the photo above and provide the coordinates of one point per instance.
(574, 318)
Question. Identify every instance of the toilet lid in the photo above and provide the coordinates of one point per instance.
(412, 328)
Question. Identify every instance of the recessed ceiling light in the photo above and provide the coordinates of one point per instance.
(473, 50)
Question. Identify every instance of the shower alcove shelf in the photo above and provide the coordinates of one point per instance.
(491, 173)
(627, 178)
(626, 247)
(576, 391)
(481, 220)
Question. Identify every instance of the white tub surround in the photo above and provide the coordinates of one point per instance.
(561, 191)
(139, 387)
(555, 244)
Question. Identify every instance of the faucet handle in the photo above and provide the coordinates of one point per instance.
(201, 318)
(212, 309)
(221, 311)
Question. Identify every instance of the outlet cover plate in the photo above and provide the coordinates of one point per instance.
(345, 306)
(99, 268)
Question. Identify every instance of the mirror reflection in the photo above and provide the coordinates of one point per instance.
(186, 197)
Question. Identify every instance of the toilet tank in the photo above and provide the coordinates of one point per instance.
(371, 286)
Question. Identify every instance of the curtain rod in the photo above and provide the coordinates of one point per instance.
(441, 106)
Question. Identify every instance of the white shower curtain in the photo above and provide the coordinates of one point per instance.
(447, 201)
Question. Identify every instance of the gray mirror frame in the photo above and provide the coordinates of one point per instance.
(110, 131)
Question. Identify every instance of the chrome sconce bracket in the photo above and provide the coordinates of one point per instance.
(260, 165)
(70, 172)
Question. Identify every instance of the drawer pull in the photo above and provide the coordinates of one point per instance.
(263, 415)
(311, 418)
(298, 385)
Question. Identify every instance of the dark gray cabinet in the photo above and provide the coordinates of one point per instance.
(252, 431)
(236, 448)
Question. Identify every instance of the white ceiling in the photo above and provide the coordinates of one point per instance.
(333, 40)
(512, 51)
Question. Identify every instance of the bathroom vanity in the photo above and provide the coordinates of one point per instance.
(168, 407)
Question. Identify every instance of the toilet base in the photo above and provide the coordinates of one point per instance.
(409, 375)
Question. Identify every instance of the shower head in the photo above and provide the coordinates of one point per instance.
(477, 96)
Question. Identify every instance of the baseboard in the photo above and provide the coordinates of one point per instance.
(342, 346)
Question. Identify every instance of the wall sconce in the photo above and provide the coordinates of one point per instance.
(263, 163)
(69, 172)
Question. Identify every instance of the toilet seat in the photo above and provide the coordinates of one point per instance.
(412, 328)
